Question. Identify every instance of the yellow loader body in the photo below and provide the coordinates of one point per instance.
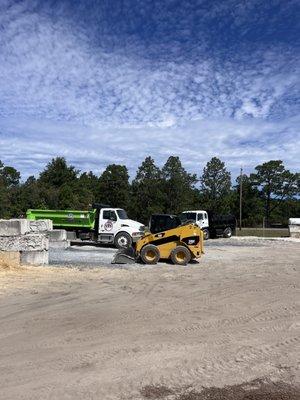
(180, 244)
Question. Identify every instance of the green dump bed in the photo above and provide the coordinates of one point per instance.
(65, 219)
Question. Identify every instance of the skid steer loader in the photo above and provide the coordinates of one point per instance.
(178, 242)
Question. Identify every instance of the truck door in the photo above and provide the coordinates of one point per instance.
(108, 223)
(202, 220)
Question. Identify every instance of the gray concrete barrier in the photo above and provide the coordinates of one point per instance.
(14, 227)
(57, 234)
(71, 235)
(34, 257)
(31, 241)
(24, 242)
(294, 227)
(41, 225)
(58, 239)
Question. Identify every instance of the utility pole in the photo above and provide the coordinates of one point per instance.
(241, 197)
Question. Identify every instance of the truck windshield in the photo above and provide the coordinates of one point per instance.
(122, 214)
(188, 216)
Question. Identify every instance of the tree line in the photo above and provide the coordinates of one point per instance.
(271, 191)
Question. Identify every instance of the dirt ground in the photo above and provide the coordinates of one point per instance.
(161, 332)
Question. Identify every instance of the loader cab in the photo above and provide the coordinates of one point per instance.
(163, 222)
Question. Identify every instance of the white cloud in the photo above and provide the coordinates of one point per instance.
(239, 143)
(62, 95)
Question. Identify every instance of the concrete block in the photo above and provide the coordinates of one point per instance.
(9, 258)
(57, 234)
(31, 241)
(41, 225)
(294, 221)
(71, 235)
(14, 227)
(35, 257)
(294, 231)
(59, 244)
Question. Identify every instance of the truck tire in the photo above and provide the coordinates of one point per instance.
(227, 232)
(205, 234)
(123, 240)
(180, 255)
(150, 254)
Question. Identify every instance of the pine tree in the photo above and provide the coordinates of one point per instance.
(178, 186)
(275, 184)
(113, 187)
(147, 191)
(216, 186)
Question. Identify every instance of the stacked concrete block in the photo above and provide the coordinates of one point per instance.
(294, 227)
(58, 239)
(23, 243)
(71, 235)
(41, 225)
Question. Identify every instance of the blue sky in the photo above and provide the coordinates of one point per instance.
(102, 82)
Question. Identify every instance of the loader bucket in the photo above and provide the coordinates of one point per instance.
(124, 256)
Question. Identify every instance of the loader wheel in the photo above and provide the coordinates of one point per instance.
(123, 240)
(180, 255)
(150, 254)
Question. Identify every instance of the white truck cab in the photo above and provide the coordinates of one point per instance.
(114, 226)
(212, 225)
(200, 217)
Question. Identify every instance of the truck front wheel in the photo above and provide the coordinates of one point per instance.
(123, 240)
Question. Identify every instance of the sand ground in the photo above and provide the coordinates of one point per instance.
(106, 333)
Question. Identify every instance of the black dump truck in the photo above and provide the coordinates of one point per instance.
(212, 225)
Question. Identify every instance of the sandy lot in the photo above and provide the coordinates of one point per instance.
(106, 333)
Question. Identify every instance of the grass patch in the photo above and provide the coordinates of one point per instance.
(260, 232)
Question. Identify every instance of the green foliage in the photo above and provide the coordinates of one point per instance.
(58, 173)
(9, 176)
(9, 181)
(178, 186)
(275, 184)
(216, 186)
(251, 202)
(113, 187)
(147, 191)
(271, 192)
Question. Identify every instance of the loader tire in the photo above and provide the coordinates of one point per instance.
(180, 255)
(150, 254)
(123, 240)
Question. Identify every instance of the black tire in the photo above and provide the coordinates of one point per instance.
(123, 240)
(227, 232)
(180, 255)
(206, 234)
(150, 254)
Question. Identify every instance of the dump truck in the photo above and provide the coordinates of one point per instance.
(165, 240)
(101, 224)
(212, 225)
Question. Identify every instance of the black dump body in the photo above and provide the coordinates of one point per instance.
(163, 222)
(218, 223)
